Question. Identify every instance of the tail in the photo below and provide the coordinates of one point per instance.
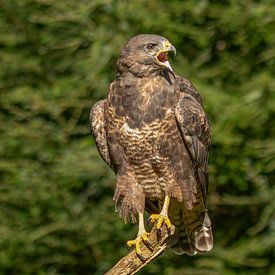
(193, 233)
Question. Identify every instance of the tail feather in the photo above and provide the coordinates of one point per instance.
(204, 237)
(193, 232)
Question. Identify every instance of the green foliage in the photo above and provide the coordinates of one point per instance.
(57, 59)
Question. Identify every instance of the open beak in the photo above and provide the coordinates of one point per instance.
(162, 55)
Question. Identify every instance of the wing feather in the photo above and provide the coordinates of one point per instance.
(97, 124)
(195, 129)
(193, 227)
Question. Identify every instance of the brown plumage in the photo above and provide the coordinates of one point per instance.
(153, 132)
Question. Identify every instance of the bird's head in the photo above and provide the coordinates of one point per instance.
(144, 54)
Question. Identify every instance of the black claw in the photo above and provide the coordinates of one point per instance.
(158, 235)
(141, 257)
(148, 244)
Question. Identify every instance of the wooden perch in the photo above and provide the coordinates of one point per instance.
(131, 263)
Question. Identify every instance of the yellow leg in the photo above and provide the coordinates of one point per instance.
(142, 236)
(162, 217)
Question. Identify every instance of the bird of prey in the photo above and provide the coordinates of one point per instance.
(153, 132)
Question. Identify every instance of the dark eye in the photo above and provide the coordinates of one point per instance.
(150, 46)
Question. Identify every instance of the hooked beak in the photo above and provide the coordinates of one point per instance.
(162, 55)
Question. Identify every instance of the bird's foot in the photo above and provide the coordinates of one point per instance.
(143, 237)
(160, 218)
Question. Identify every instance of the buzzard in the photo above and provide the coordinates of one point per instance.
(154, 134)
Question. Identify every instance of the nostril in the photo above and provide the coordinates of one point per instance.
(167, 44)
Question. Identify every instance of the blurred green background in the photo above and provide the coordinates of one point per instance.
(57, 59)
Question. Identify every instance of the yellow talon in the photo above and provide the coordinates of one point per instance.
(162, 217)
(140, 238)
(160, 220)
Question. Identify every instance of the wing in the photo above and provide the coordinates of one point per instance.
(97, 123)
(195, 129)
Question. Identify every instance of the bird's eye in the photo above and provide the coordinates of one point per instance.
(150, 46)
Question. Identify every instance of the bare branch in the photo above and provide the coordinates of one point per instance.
(131, 263)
